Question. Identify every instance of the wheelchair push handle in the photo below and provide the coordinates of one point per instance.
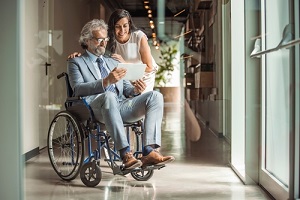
(61, 75)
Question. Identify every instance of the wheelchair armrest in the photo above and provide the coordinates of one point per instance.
(74, 99)
(137, 123)
(79, 107)
(70, 100)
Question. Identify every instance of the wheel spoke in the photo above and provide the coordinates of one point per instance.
(66, 151)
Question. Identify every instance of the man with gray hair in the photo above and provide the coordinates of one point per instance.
(114, 100)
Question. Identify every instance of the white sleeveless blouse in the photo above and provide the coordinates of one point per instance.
(130, 51)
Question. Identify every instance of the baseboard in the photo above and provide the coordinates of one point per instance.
(31, 154)
(206, 124)
(218, 134)
(202, 120)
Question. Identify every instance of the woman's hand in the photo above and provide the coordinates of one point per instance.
(139, 86)
(118, 57)
(73, 55)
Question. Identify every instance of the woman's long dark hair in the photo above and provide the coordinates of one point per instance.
(113, 19)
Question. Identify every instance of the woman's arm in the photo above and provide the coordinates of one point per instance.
(146, 54)
(118, 57)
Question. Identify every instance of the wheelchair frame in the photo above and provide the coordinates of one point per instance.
(72, 128)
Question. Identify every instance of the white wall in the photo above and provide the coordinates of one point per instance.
(29, 67)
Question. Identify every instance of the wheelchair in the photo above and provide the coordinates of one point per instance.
(75, 130)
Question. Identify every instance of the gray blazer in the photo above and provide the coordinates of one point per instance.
(83, 79)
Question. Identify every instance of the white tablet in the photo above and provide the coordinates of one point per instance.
(134, 71)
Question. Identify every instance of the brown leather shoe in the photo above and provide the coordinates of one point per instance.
(130, 162)
(155, 158)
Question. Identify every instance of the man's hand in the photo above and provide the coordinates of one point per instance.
(139, 86)
(118, 57)
(114, 76)
(73, 55)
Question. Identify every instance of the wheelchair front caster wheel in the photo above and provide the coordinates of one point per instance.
(90, 174)
(142, 174)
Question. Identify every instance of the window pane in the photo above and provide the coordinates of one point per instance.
(277, 92)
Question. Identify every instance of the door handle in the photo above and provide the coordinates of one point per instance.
(46, 67)
(285, 42)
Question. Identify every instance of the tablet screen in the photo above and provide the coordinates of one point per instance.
(134, 71)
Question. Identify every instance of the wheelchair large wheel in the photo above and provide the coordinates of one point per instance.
(142, 174)
(90, 174)
(66, 145)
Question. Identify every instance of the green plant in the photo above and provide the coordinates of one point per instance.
(166, 66)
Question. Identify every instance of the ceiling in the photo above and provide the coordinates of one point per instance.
(169, 16)
(172, 25)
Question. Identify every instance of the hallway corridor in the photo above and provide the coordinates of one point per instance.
(200, 171)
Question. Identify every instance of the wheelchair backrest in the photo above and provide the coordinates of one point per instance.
(68, 86)
(82, 111)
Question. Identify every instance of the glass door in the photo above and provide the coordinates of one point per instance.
(34, 81)
(277, 97)
(296, 166)
(226, 56)
(59, 38)
(296, 139)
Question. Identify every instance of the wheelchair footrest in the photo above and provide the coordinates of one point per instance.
(117, 170)
(153, 167)
(108, 160)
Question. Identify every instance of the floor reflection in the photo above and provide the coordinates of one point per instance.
(200, 171)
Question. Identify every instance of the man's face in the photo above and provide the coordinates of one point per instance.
(97, 44)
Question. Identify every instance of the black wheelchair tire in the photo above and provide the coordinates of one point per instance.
(65, 145)
(90, 174)
(142, 175)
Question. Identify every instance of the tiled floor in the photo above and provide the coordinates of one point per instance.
(200, 171)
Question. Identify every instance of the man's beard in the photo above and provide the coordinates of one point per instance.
(99, 50)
